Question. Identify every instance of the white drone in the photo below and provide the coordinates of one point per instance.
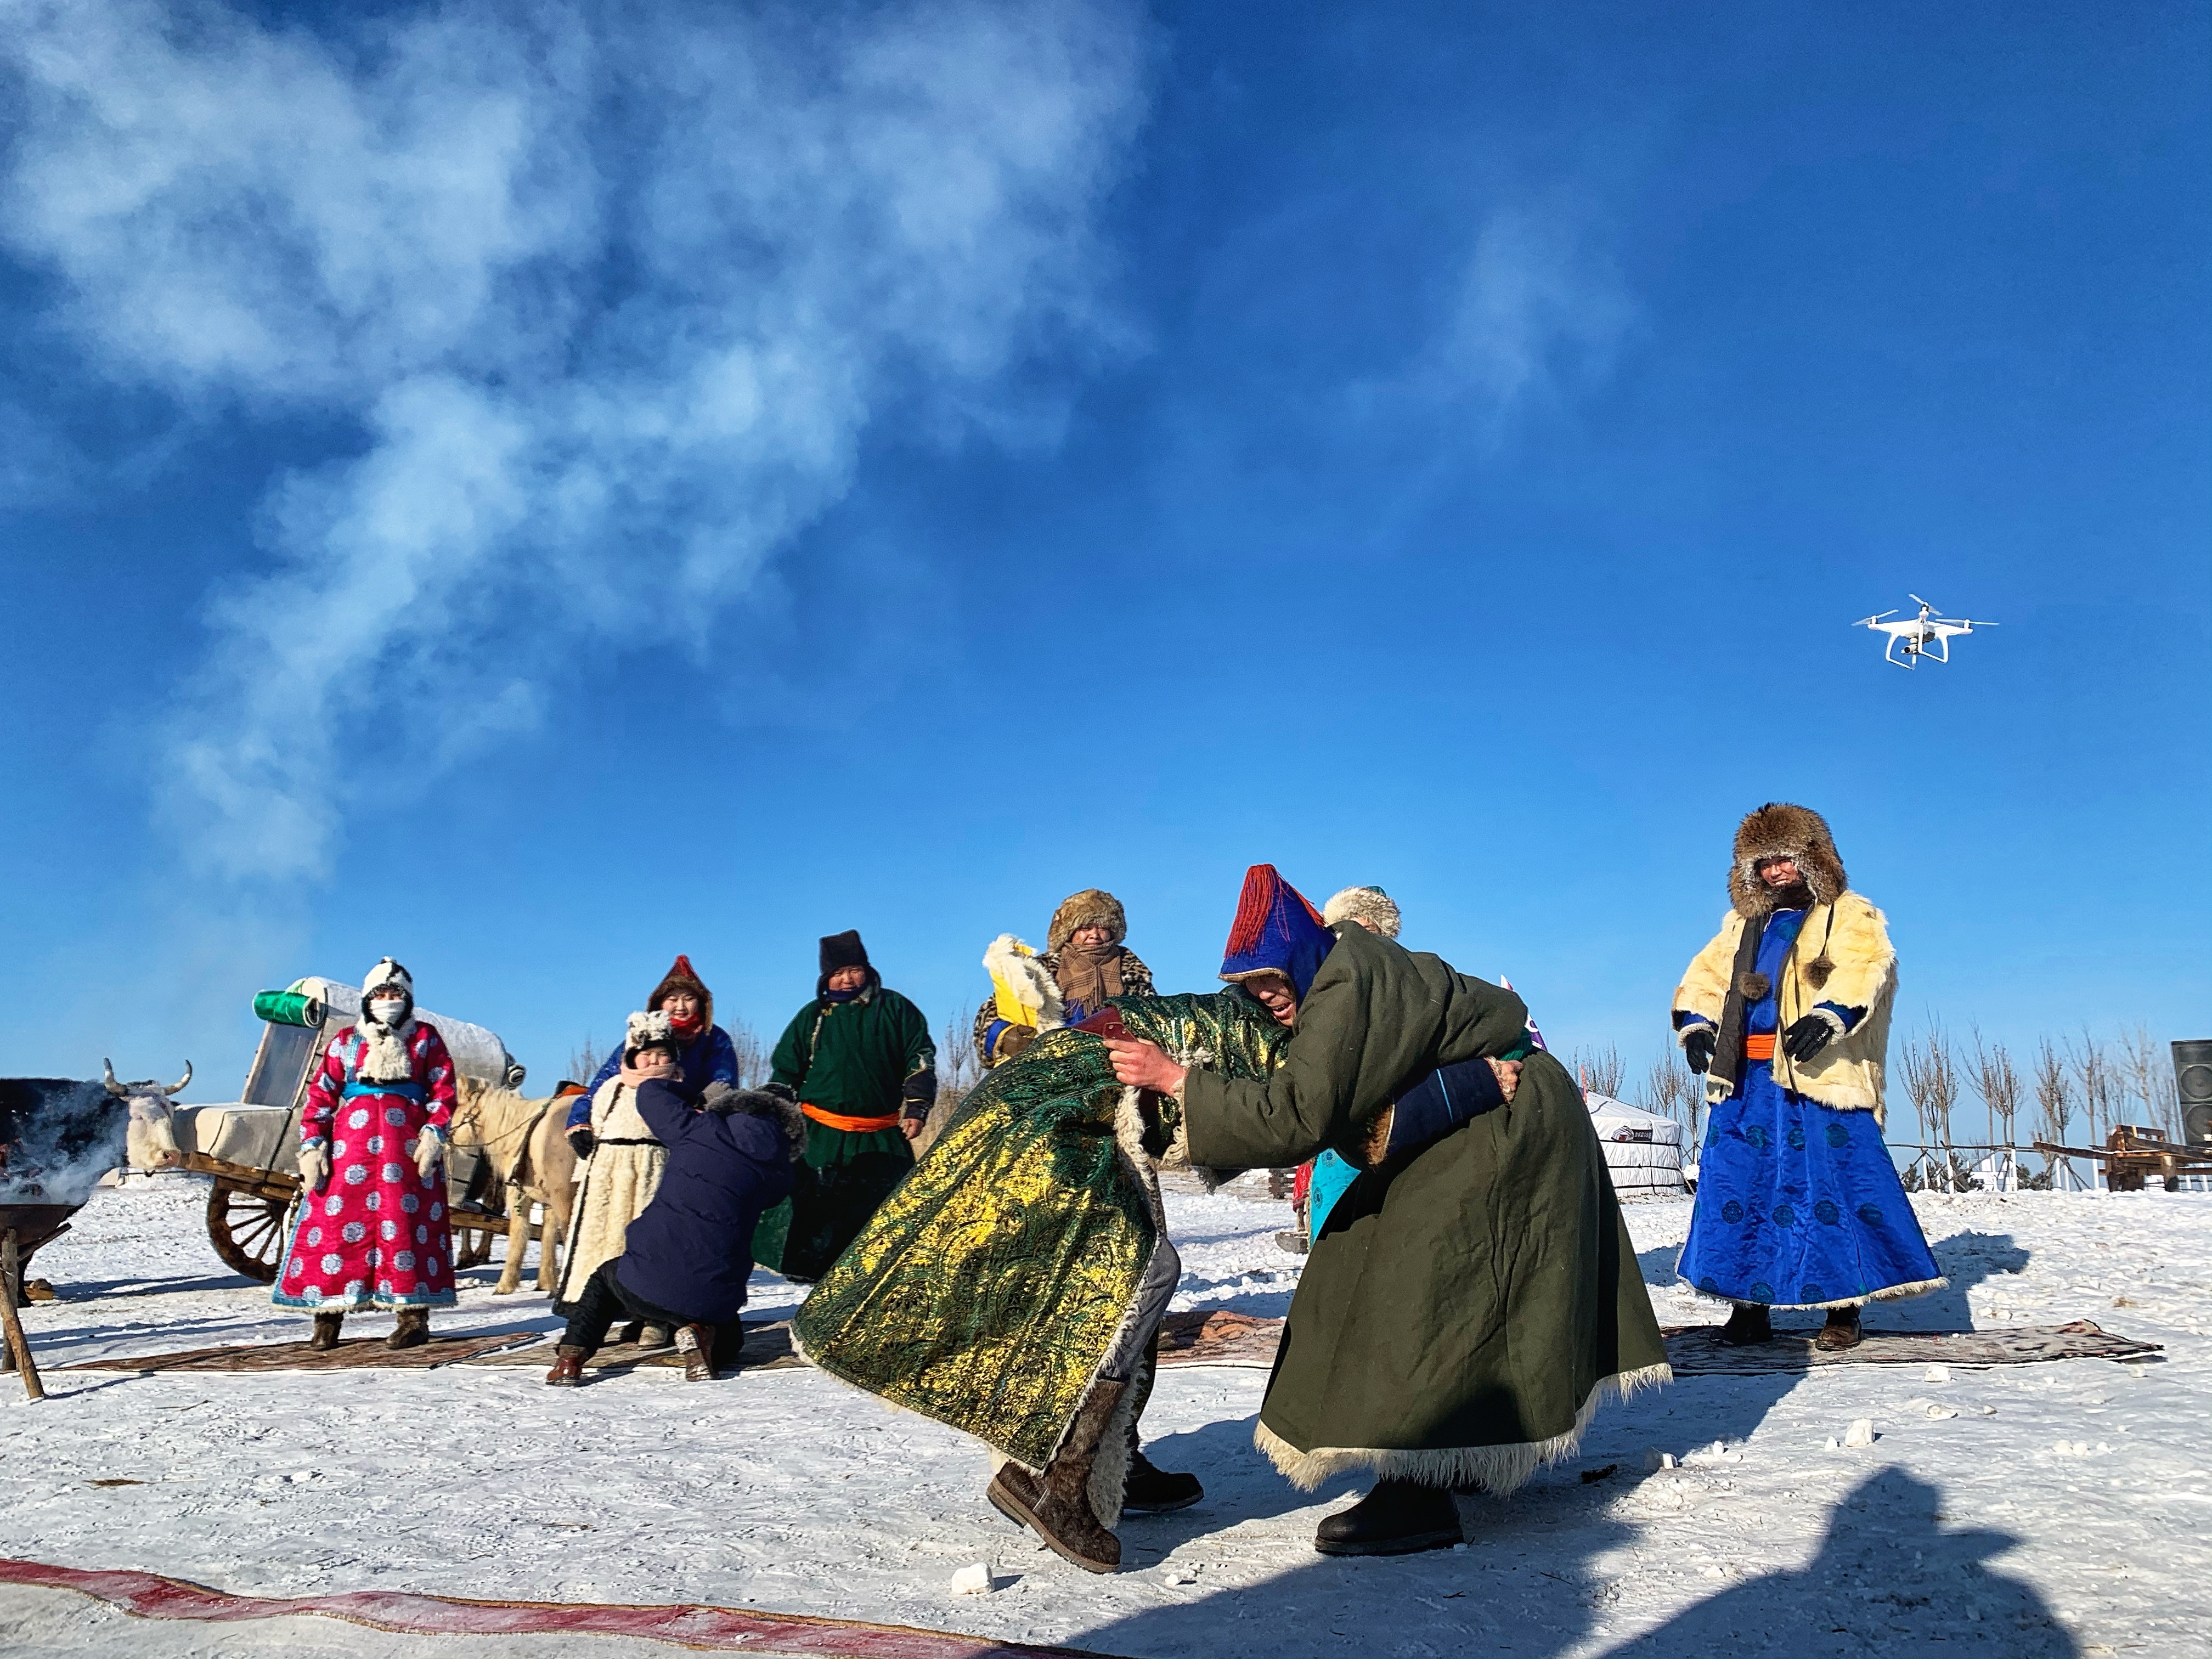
(1925, 635)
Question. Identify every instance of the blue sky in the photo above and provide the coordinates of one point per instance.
(536, 489)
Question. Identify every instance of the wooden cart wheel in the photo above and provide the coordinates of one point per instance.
(247, 1231)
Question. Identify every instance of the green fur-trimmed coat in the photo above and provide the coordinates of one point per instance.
(1469, 1302)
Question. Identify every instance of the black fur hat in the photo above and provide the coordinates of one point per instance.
(843, 950)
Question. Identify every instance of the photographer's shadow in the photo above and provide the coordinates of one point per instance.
(1887, 1577)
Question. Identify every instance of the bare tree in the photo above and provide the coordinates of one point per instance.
(958, 1067)
(2148, 1079)
(584, 1063)
(1666, 1085)
(1998, 1082)
(2054, 1094)
(2094, 1070)
(1931, 1078)
(1600, 1071)
(752, 1054)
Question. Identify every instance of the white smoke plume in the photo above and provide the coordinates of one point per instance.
(609, 294)
(58, 1139)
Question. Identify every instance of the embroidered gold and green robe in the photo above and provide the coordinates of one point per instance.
(990, 1288)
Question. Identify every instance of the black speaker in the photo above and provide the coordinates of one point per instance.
(2193, 1077)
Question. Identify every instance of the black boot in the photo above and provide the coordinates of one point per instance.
(1748, 1325)
(1155, 1492)
(327, 1332)
(1397, 1518)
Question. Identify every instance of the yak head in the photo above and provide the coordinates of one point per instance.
(151, 1138)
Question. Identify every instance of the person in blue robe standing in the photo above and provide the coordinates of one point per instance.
(1787, 1013)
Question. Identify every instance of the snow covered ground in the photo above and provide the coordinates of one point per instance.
(2064, 1509)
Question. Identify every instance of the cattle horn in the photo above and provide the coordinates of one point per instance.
(113, 1087)
(182, 1082)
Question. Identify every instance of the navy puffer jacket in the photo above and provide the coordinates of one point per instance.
(729, 1159)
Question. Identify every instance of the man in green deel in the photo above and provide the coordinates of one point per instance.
(860, 1059)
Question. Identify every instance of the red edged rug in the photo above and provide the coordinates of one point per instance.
(712, 1630)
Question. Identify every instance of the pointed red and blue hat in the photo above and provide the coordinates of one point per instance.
(1276, 931)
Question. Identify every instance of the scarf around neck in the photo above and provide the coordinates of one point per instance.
(384, 1058)
(1088, 975)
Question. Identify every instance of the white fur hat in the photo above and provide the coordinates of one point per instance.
(649, 1027)
(388, 972)
(1370, 907)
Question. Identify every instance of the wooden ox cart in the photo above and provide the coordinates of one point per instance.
(2133, 1156)
(251, 1147)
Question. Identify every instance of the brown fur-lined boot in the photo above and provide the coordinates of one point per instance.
(568, 1370)
(327, 1326)
(1057, 1506)
(696, 1344)
(412, 1331)
(1842, 1331)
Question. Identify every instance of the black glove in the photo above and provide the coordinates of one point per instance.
(583, 1140)
(1698, 1048)
(1808, 1035)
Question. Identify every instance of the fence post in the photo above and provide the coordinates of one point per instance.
(19, 1347)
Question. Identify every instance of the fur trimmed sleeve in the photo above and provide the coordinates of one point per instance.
(1705, 987)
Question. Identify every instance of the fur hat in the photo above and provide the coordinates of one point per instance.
(681, 977)
(1093, 907)
(649, 1029)
(844, 951)
(1370, 907)
(1777, 830)
(388, 972)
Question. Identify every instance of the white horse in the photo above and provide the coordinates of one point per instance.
(528, 1142)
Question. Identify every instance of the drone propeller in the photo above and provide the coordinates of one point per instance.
(1873, 621)
(1925, 606)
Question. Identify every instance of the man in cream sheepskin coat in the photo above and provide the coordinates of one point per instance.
(1786, 1011)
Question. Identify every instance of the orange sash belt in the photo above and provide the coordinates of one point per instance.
(861, 1126)
(1757, 1045)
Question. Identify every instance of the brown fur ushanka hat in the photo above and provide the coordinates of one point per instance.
(1777, 830)
(1092, 906)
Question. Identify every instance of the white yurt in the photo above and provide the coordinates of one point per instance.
(1643, 1149)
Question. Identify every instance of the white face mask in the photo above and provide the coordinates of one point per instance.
(387, 1010)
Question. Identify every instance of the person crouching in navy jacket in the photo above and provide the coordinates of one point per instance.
(688, 1256)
